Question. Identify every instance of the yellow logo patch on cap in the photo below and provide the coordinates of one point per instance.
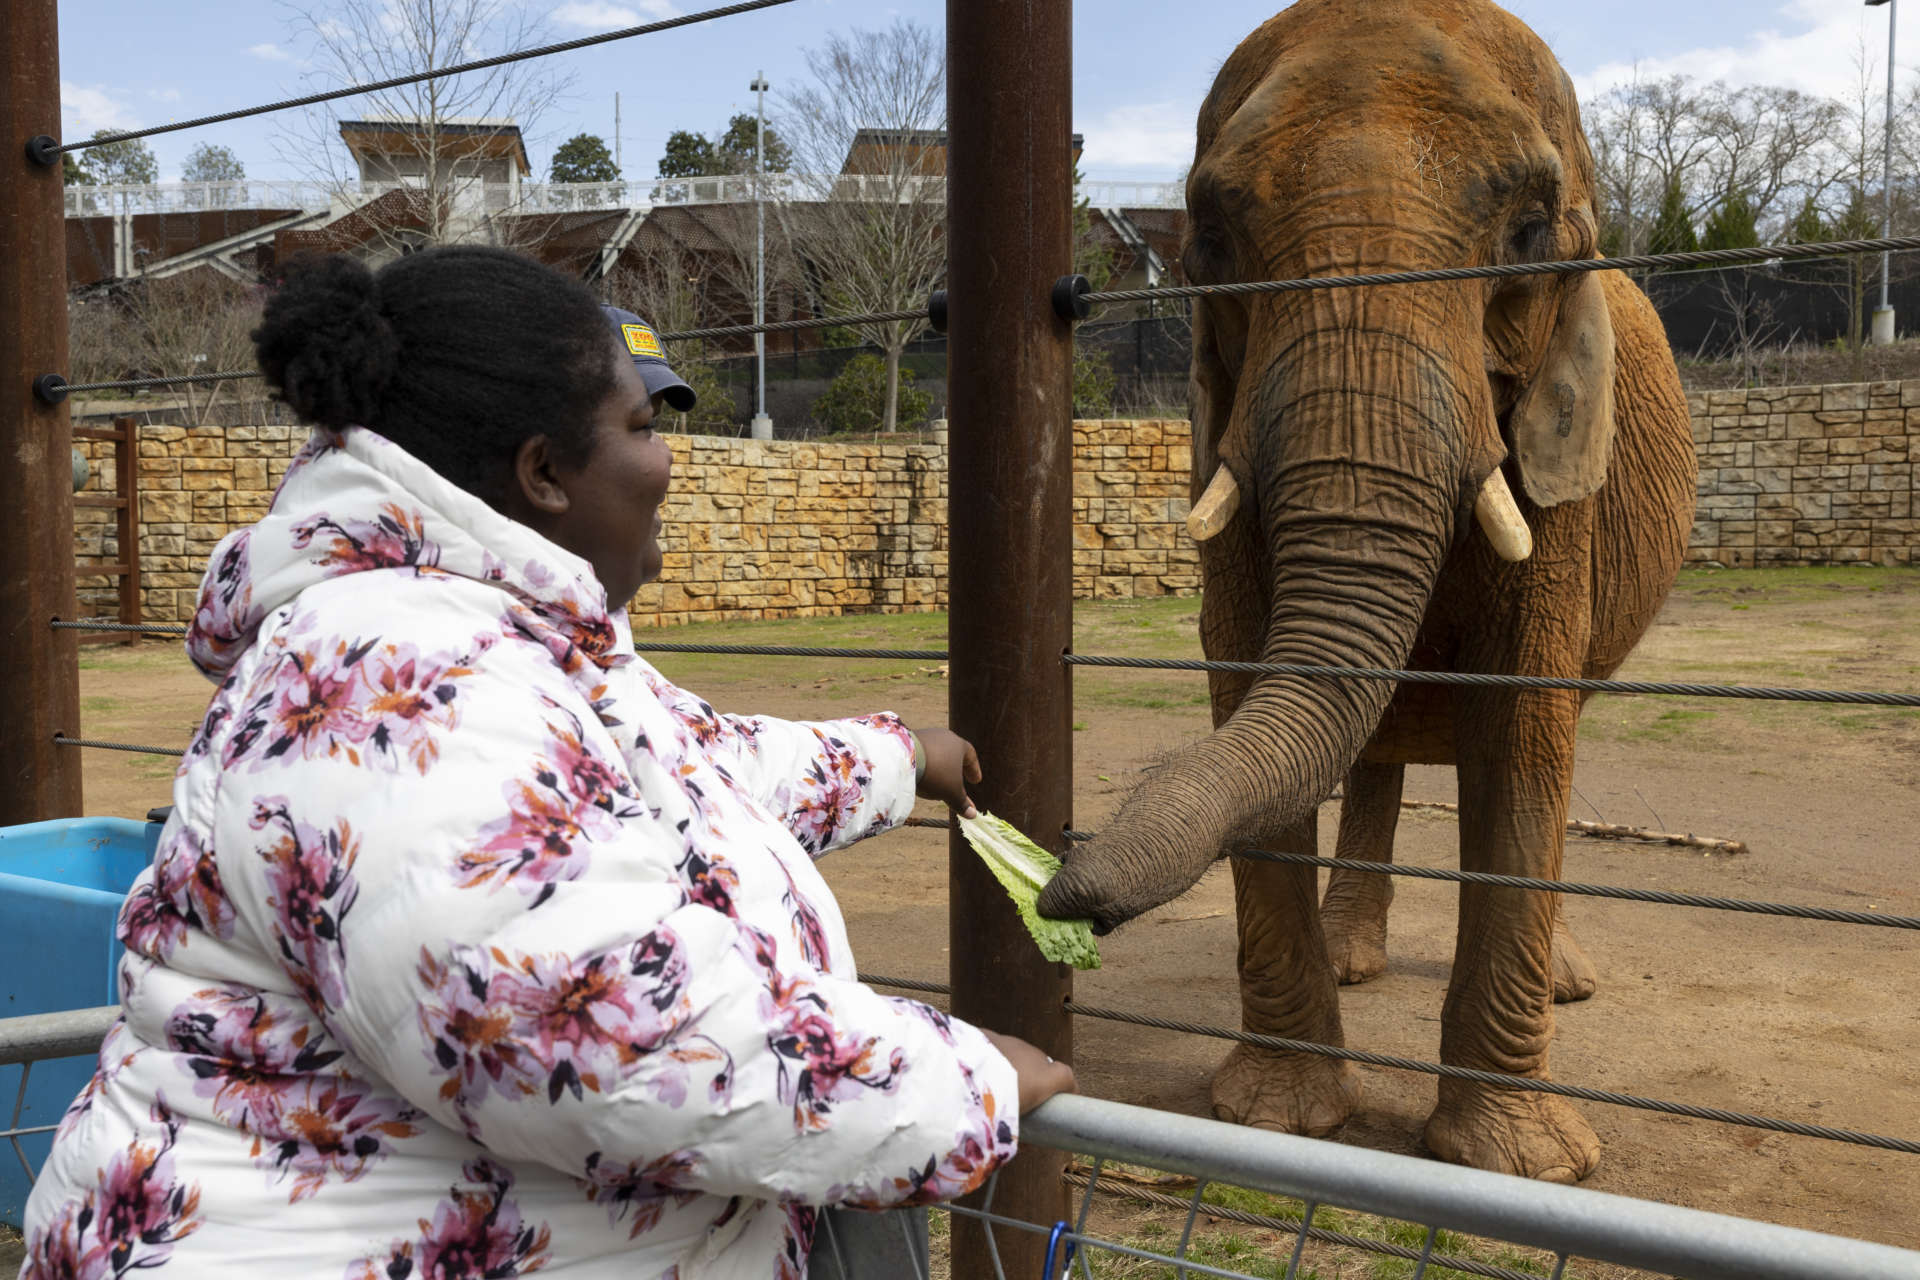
(641, 342)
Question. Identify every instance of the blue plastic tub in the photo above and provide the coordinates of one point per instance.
(61, 885)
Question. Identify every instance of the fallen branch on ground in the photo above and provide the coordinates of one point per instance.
(1614, 831)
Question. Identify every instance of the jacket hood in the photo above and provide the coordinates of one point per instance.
(355, 502)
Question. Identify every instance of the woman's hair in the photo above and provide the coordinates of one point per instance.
(455, 354)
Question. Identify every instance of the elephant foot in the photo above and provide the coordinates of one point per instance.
(1356, 941)
(1530, 1135)
(1285, 1092)
(1574, 977)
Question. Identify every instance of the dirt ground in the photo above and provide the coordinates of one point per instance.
(1784, 1018)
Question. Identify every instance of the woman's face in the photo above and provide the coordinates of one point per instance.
(612, 518)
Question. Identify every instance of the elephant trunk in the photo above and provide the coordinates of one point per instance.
(1361, 475)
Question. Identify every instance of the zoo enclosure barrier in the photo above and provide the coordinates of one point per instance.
(1070, 1008)
(1564, 1222)
(1009, 136)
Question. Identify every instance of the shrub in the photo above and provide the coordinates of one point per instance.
(1093, 381)
(856, 400)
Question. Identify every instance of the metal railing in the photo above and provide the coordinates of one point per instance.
(312, 196)
(1565, 1222)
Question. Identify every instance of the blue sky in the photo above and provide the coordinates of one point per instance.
(1141, 68)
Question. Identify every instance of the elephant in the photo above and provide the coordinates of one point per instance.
(1489, 475)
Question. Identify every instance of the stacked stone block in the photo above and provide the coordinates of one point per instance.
(1807, 475)
(755, 529)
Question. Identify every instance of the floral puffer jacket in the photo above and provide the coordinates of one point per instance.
(474, 948)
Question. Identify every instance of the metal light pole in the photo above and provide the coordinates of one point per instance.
(1883, 315)
(762, 424)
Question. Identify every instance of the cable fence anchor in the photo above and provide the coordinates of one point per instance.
(43, 150)
(50, 388)
(1071, 296)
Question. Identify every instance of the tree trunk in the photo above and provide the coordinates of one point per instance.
(890, 418)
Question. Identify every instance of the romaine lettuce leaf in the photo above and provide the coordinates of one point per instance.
(1023, 869)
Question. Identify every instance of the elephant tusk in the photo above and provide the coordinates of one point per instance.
(1500, 518)
(1216, 506)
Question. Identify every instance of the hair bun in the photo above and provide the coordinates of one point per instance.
(324, 344)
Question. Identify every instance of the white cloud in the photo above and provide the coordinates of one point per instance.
(598, 15)
(269, 52)
(1152, 140)
(164, 95)
(85, 109)
(1816, 47)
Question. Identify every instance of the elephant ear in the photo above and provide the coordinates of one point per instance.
(1562, 426)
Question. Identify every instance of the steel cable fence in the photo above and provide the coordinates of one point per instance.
(1497, 1079)
(1371, 1196)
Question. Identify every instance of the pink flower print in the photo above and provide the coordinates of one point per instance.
(318, 1129)
(149, 924)
(113, 1058)
(412, 697)
(394, 539)
(519, 1025)
(576, 796)
(640, 1189)
(476, 1234)
(891, 725)
(989, 1145)
(471, 1038)
(131, 1218)
(802, 1221)
(711, 881)
(818, 1065)
(314, 711)
(580, 1017)
(828, 795)
(311, 890)
(181, 890)
(224, 619)
(239, 1026)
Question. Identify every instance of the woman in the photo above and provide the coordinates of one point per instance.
(473, 947)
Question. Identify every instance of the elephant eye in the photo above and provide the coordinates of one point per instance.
(1532, 238)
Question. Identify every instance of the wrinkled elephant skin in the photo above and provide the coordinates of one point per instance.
(1492, 476)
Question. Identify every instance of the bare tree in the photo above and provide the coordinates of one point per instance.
(445, 137)
(196, 322)
(1771, 145)
(670, 285)
(870, 220)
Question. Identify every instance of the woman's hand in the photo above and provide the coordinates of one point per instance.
(1040, 1076)
(951, 765)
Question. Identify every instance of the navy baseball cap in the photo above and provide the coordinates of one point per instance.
(650, 359)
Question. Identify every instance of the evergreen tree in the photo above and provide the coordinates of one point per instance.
(1808, 226)
(688, 155)
(129, 160)
(733, 149)
(583, 158)
(72, 172)
(1733, 224)
(1672, 227)
(210, 163)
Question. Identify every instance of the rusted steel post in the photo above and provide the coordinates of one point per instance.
(39, 677)
(1009, 379)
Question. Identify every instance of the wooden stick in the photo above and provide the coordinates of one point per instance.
(1614, 831)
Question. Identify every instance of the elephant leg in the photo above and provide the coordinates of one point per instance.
(1354, 911)
(1574, 977)
(1287, 989)
(1515, 757)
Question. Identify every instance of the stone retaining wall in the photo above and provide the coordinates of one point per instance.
(1807, 475)
(755, 529)
(758, 529)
